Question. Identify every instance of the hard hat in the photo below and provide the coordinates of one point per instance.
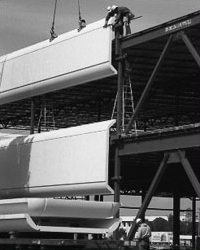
(109, 8)
(139, 220)
(114, 7)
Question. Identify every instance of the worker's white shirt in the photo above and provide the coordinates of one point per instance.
(143, 231)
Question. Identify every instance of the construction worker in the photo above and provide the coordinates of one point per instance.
(82, 24)
(123, 17)
(142, 235)
(53, 35)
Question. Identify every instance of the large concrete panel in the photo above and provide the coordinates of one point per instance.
(50, 207)
(72, 161)
(71, 59)
(24, 223)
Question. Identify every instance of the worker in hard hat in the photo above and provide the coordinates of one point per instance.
(82, 24)
(123, 16)
(143, 234)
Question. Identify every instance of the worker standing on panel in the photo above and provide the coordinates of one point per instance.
(123, 17)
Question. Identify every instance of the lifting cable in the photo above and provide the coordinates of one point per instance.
(82, 22)
(52, 32)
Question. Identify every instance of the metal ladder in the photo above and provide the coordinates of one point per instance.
(127, 105)
(46, 120)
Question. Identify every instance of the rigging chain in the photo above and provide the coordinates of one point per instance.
(82, 22)
(52, 32)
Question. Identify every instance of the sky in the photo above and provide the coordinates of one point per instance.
(27, 22)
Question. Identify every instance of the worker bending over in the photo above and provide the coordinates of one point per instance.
(123, 17)
(82, 24)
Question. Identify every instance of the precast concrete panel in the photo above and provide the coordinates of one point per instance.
(71, 161)
(24, 223)
(71, 59)
(51, 207)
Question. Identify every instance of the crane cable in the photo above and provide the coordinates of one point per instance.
(52, 32)
(79, 11)
(82, 22)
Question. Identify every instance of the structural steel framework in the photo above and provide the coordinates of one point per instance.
(175, 31)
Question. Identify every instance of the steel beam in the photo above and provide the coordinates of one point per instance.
(191, 48)
(159, 31)
(149, 194)
(189, 171)
(160, 143)
(149, 83)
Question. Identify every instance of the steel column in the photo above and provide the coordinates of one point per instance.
(117, 169)
(189, 171)
(143, 197)
(149, 83)
(190, 47)
(32, 115)
(117, 178)
(149, 194)
(176, 220)
(193, 221)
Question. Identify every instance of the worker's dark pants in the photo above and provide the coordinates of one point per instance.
(127, 21)
(127, 29)
(144, 244)
(119, 28)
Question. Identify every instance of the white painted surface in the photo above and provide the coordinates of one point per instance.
(24, 223)
(71, 59)
(72, 161)
(49, 207)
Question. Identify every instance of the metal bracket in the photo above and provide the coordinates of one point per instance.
(121, 58)
(177, 36)
(173, 158)
(115, 140)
